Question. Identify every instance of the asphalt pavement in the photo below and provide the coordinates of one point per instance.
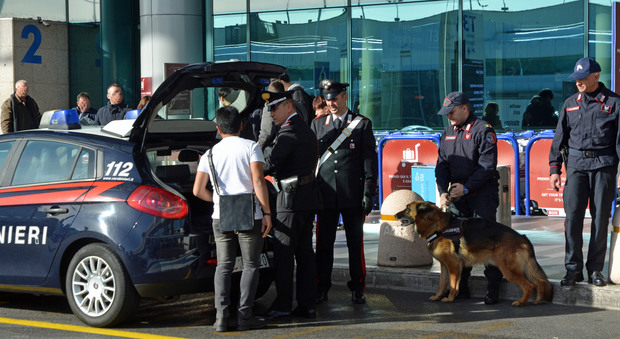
(545, 233)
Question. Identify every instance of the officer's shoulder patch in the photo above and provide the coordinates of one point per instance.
(491, 138)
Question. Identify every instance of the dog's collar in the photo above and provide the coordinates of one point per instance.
(455, 231)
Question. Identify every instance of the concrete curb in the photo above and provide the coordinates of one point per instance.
(410, 279)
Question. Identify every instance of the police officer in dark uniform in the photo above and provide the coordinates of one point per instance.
(347, 178)
(587, 134)
(292, 161)
(466, 175)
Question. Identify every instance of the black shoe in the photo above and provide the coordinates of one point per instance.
(358, 297)
(489, 299)
(220, 325)
(305, 313)
(571, 278)
(596, 279)
(492, 296)
(463, 293)
(251, 323)
(274, 314)
(321, 297)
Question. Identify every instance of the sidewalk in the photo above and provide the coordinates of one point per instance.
(546, 233)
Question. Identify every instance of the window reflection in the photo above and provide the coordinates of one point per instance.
(599, 37)
(230, 37)
(403, 60)
(405, 55)
(311, 44)
(526, 50)
(262, 5)
(229, 6)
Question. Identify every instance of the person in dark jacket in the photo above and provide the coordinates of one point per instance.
(588, 135)
(466, 175)
(491, 115)
(292, 161)
(115, 109)
(347, 176)
(540, 111)
(20, 111)
(86, 113)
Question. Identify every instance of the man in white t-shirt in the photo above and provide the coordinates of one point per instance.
(238, 164)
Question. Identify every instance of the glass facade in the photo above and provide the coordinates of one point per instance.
(402, 57)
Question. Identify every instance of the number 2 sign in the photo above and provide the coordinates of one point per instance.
(31, 56)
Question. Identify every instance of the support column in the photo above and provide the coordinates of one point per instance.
(171, 32)
(119, 48)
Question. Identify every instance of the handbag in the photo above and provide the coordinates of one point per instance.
(236, 210)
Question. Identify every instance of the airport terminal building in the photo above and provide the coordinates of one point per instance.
(401, 57)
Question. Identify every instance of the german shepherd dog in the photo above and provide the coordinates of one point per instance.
(481, 242)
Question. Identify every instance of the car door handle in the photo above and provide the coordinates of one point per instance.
(56, 210)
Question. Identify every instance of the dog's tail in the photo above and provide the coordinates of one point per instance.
(535, 274)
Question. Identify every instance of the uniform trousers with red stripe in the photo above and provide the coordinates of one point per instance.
(327, 225)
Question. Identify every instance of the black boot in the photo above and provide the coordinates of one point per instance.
(492, 295)
(464, 283)
(494, 278)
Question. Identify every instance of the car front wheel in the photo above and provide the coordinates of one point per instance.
(99, 290)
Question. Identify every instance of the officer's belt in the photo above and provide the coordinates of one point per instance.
(306, 179)
(339, 140)
(590, 153)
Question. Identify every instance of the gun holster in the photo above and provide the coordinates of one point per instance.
(564, 154)
(288, 187)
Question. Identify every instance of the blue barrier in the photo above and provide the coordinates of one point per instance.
(435, 137)
(527, 167)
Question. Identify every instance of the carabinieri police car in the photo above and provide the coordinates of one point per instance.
(106, 215)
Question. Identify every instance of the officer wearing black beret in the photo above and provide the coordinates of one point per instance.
(587, 133)
(466, 175)
(347, 174)
(292, 161)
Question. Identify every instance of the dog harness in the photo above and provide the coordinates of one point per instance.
(453, 233)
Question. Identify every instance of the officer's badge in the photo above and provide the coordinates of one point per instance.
(352, 145)
(606, 108)
(491, 138)
(467, 136)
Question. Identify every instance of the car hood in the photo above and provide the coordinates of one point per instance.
(248, 75)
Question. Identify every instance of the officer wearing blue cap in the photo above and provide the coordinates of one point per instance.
(347, 174)
(588, 137)
(466, 175)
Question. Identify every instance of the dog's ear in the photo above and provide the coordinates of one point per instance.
(424, 207)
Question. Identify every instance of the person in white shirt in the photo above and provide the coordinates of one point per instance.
(238, 164)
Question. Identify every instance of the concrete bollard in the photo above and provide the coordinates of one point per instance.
(614, 251)
(400, 246)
